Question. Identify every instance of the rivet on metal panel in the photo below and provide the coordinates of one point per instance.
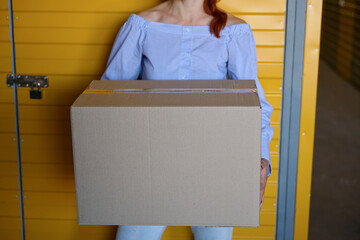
(280, 88)
(7, 17)
(303, 133)
(16, 17)
(14, 139)
(16, 196)
(310, 6)
(22, 140)
(276, 146)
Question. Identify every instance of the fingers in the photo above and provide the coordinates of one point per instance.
(262, 192)
(263, 179)
(261, 199)
(261, 196)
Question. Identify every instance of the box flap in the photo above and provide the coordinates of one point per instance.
(161, 93)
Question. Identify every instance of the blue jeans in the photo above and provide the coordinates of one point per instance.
(143, 232)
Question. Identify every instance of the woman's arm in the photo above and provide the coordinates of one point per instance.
(242, 64)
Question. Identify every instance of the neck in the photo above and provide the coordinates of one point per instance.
(187, 10)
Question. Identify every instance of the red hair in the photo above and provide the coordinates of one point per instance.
(220, 17)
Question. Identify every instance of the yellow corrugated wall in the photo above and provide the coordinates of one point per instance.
(70, 41)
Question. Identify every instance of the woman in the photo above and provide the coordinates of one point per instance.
(188, 39)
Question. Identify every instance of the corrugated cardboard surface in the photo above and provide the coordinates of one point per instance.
(184, 165)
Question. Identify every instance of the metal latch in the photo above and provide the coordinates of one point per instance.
(29, 81)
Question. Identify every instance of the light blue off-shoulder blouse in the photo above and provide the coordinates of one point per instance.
(162, 51)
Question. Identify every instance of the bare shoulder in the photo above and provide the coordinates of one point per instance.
(153, 14)
(232, 20)
(150, 15)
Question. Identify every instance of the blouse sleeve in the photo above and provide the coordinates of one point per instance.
(242, 64)
(124, 62)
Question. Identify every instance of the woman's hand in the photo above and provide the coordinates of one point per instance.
(263, 178)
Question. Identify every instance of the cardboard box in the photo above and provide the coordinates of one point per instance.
(165, 152)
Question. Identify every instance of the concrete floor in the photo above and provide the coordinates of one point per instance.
(335, 193)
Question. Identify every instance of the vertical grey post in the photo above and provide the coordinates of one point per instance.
(290, 117)
(11, 28)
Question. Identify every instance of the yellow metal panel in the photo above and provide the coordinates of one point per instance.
(5, 65)
(5, 50)
(275, 163)
(63, 51)
(3, 14)
(3, 75)
(33, 112)
(56, 229)
(275, 117)
(38, 184)
(36, 127)
(60, 66)
(249, 233)
(271, 86)
(307, 119)
(10, 227)
(45, 142)
(270, 70)
(3, 5)
(258, 6)
(4, 33)
(270, 54)
(9, 203)
(45, 156)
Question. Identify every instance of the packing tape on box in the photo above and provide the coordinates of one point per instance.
(170, 90)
